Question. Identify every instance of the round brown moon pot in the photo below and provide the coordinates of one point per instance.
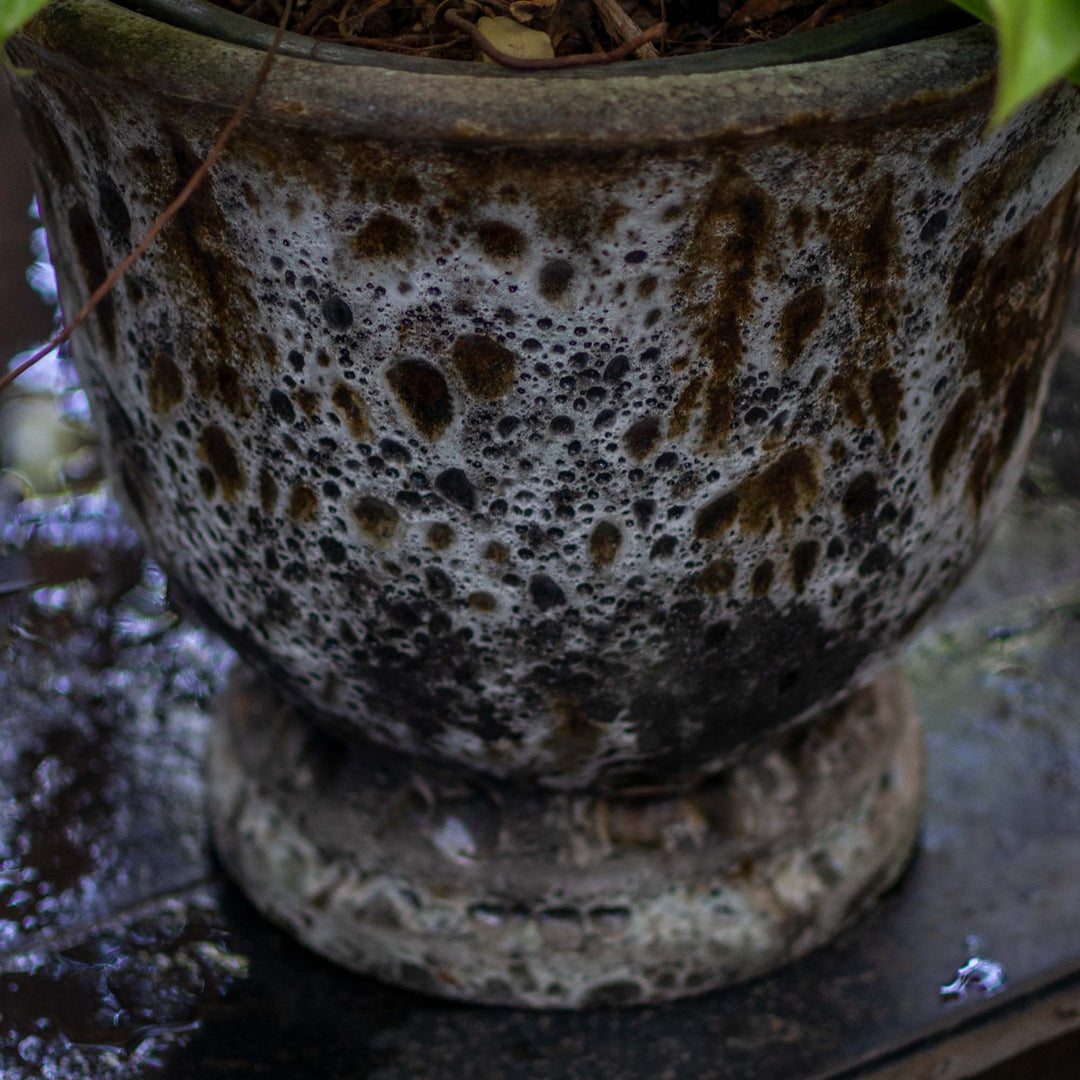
(556, 444)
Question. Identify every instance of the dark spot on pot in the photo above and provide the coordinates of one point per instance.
(762, 578)
(230, 388)
(861, 496)
(333, 550)
(717, 516)
(954, 431)
(980, 477)
(114, 212)
(877, 559)
(616, 368)
(92, 260)
(804, 557)
(501, 242)
(337, 313)
(886, 397)
(545, 593)
(166, 384)
(424, 394)
(496, 552)
(384, 236)
(440, 536)
(934, 227)
(663, 547)
(800, 318)
(307, 400)
(646, 286)
(964, 274)
(643, 510)
(555, 278)
(353, 408)
(454, 485)
(216, 449)
(487, 369)
(303, 503)
(798, 223)
(439, 583)
(716, 578)
(378, 520)
(207, 483)
(268, 491)
(561, 425)
(781, 491)
(945, 156)
(642, 437)
(604, 543)
(281, 406)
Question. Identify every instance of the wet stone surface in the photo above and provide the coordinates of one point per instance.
(124, 953)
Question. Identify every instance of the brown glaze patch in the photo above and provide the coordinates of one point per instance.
(642, 437)
(730, 234)
(84, 236)
(1003, 178)
(487, 369)
(780, 491)
(683, 411)
(646, 286)
(604, 543)
(954, 431)
(424, 395)
(166, 384)
(980, 476)
(268, 491)
(801, 316)
(483, 602)
(574, 738)
(303, 503)
(717, 516)
(231, 389)
(555, 278)
(501, 242)
(378, 521)
(496, 552)
(207, 483)
(354, 409)
(216, 449)
(886, 398)
(440, 537)
(762, 578)
(798, 223)
(716, 578)
(804, 558)
(307, 399)
(384, 236)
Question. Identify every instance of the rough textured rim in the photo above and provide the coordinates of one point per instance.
(317, 860)
(117, 48)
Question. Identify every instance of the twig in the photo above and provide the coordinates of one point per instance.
(623, 28)
(818, 17)
(165, 216)
(314, 14)
(577, 60)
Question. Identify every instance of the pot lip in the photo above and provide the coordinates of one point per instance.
(119, 50)
(895, 23)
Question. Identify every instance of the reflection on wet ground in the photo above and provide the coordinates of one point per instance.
(124, 954)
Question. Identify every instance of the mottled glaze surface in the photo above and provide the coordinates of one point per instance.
(547, 449)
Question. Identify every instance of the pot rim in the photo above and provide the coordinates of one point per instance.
(612, 108)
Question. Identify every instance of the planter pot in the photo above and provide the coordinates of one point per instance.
(557, 444)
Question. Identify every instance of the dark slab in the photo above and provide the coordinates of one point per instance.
(124, 954)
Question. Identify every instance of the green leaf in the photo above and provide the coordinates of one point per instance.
(13, 13)
(1039, 43)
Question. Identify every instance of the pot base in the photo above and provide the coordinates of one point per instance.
(489, 892)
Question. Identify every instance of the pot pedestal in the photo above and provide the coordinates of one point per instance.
(488, 891)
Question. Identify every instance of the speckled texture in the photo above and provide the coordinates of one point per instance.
(511, 896)
(587, 463)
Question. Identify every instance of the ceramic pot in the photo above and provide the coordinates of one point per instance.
(570, 437)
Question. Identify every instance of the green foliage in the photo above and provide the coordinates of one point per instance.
(1039, 42)
(13, 13)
